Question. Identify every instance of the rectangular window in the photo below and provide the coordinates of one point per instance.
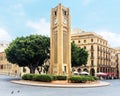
(55, 13)
(64, 12)
(92, 63)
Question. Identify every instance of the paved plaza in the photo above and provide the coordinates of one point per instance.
(11, 89)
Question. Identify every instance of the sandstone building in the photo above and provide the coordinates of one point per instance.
(5, 66)
(102, 58)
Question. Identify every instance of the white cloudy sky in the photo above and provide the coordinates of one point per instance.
(25, 17)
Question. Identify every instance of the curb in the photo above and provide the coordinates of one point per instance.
(71, 85)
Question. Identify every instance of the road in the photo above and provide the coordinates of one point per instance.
(10, 89)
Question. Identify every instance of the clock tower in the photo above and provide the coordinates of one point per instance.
(60, 45)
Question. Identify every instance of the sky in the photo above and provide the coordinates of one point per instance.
(24, 17)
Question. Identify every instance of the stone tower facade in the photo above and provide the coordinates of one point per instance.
(60, 46)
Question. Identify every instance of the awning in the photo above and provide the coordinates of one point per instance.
(101, 74)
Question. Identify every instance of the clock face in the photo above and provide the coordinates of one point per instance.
(64, 21)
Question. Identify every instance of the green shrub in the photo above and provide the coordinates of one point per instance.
(95, 78)
(27, 76)
(82, 79)
(59, 77)
(90, 78)
(43, 78)
(30, 76)
(78, 79)
(24, 77)
(54, 77)
(37, 77)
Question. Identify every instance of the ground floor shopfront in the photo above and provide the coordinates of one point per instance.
(110, 72)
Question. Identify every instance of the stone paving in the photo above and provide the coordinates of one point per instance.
(62, 85)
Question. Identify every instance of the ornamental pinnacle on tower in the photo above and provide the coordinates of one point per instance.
(60, 45)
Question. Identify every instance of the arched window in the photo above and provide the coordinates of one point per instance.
(98, 48)
(84, 41)
(85, 70)
(91, 40)
(92, 48)
(92, 72)
(78, 41)
(79, 70)
(84, 47)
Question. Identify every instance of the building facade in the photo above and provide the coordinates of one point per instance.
(60, 47)
(118, 61)
(101, 57)
(5, 66)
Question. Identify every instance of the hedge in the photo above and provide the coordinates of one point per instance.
(37, 77)
(43, 78)
(82, 79)
(59, 77)
(27, 76)
(49, 78)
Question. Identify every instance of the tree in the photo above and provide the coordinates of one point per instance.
(30, 51)
(79, 56)
(74, 55)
